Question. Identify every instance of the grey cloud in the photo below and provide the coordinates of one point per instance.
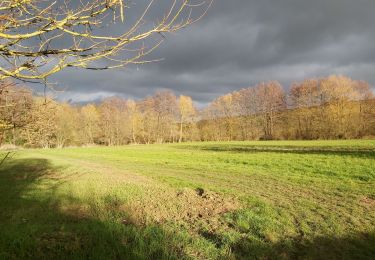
(242, 42)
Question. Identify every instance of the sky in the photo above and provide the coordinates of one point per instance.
(238, 44)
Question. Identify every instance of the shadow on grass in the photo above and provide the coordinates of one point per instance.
(33, 226)
(356, 246)
(360, 153)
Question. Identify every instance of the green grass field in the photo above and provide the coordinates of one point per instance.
(261, 200)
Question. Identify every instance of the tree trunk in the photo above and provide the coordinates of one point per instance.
(181, 126)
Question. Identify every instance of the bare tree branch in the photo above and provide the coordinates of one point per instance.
(41, 37)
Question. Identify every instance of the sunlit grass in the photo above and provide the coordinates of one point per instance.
(313, 199)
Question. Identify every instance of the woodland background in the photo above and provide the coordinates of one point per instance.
(335, 107)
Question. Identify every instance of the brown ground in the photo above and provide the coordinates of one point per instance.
(192, 207)
(368, 202)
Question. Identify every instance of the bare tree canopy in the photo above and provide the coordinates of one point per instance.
(335, 107)
(41, 37)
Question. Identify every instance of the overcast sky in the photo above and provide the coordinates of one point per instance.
(240, 43)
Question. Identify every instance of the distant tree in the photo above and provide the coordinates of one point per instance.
(89, 123)
(114, 121)
(270, 101)
(246, 109)
(366, 108)
(226, 109)
(134, 118)
(338, 94)
(326, 108)
(148, 120)
(15, 109)
(67, 121)
(304, 97)
(186, 113)
(166, 111)
(42, 128)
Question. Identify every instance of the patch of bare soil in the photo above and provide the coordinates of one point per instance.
(48, 242)
(76, 211)
(368, 202)
(195, 208)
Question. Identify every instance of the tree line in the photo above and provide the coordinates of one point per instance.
(334, 107)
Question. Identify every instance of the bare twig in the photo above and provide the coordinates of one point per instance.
(41, 37)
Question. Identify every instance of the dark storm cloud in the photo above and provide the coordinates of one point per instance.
(242, 42)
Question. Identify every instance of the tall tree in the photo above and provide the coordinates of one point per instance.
(166, 110)
(67, 121)
(304, 98)
(186, 113)
(41, 131)
(245, 108)
(15, 108)
(134, 118)
(90, 123)
(270, 98)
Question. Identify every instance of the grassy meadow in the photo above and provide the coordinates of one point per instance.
(236, 200)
